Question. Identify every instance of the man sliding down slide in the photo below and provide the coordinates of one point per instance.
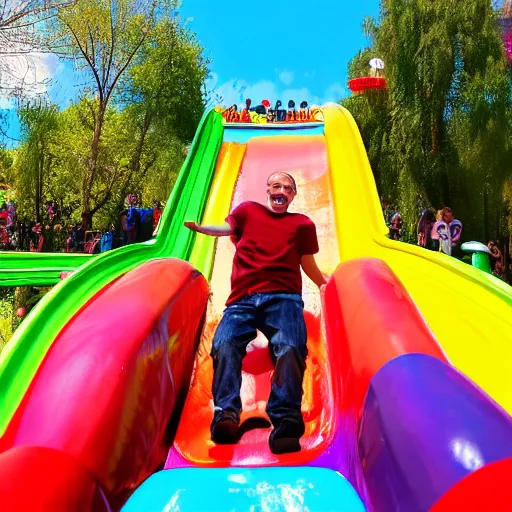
(266, 286)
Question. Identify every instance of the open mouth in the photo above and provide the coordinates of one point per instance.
(279, 199)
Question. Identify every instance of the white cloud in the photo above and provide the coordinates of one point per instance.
(285, 76)
(236, 91)
(30, 73)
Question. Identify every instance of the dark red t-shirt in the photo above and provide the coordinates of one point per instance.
(269, 247)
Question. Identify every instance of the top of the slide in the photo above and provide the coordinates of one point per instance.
(241, 174)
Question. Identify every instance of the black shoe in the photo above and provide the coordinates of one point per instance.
(285, 437)
(224, 429)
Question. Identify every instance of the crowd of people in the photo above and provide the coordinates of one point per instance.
(7, 224)
(135, 224)
(7, 216)
(265, 113)
(440, 231)
(59, 234)
(436, 231)
(17, 235)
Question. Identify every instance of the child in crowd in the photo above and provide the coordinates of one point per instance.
(395, 231)
(441, 234)
(455, 229)
(424, 228)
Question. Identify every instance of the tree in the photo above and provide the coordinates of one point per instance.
(6, 161)
(448, 109)
(163, 94)
(104, 36)
(39, 123)
(167, 77)
(126, 133)
(69, 148)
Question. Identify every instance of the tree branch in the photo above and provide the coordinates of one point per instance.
(112, 45)
(25, 25)
(127, 63)
(36, 10)
(93, 49)
(107, 196)
(86, 57)
(132, 54)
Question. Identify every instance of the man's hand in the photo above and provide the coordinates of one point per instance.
(191, 225)
(311, 269)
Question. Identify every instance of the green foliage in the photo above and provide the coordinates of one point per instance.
(67, 149)
(127, 132)
(39, 124)
(10, 300)
(6, 315)
(6, 162)
(440, 134)
(165, 82)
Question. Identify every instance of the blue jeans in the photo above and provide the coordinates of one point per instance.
(280, 317)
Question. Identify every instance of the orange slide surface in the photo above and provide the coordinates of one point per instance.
(306, 157)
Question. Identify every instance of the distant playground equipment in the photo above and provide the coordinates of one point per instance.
(479, 255)
(264, 113)
(488, 258)
(375, 81)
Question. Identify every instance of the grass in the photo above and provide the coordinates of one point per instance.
(6, 312)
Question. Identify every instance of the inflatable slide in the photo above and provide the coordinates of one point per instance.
(105, 400)
(38, 268)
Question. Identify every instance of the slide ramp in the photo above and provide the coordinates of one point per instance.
(380, 317)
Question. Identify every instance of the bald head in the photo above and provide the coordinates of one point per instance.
(278, 174)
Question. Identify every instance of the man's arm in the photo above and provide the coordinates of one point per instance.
(311, 269)
(224, 230)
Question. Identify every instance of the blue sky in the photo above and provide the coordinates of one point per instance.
(279, 49)
(267, 49)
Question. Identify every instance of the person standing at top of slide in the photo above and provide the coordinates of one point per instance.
(272, 245)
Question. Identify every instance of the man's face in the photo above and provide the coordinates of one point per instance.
(281, 192)
(448, 217)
